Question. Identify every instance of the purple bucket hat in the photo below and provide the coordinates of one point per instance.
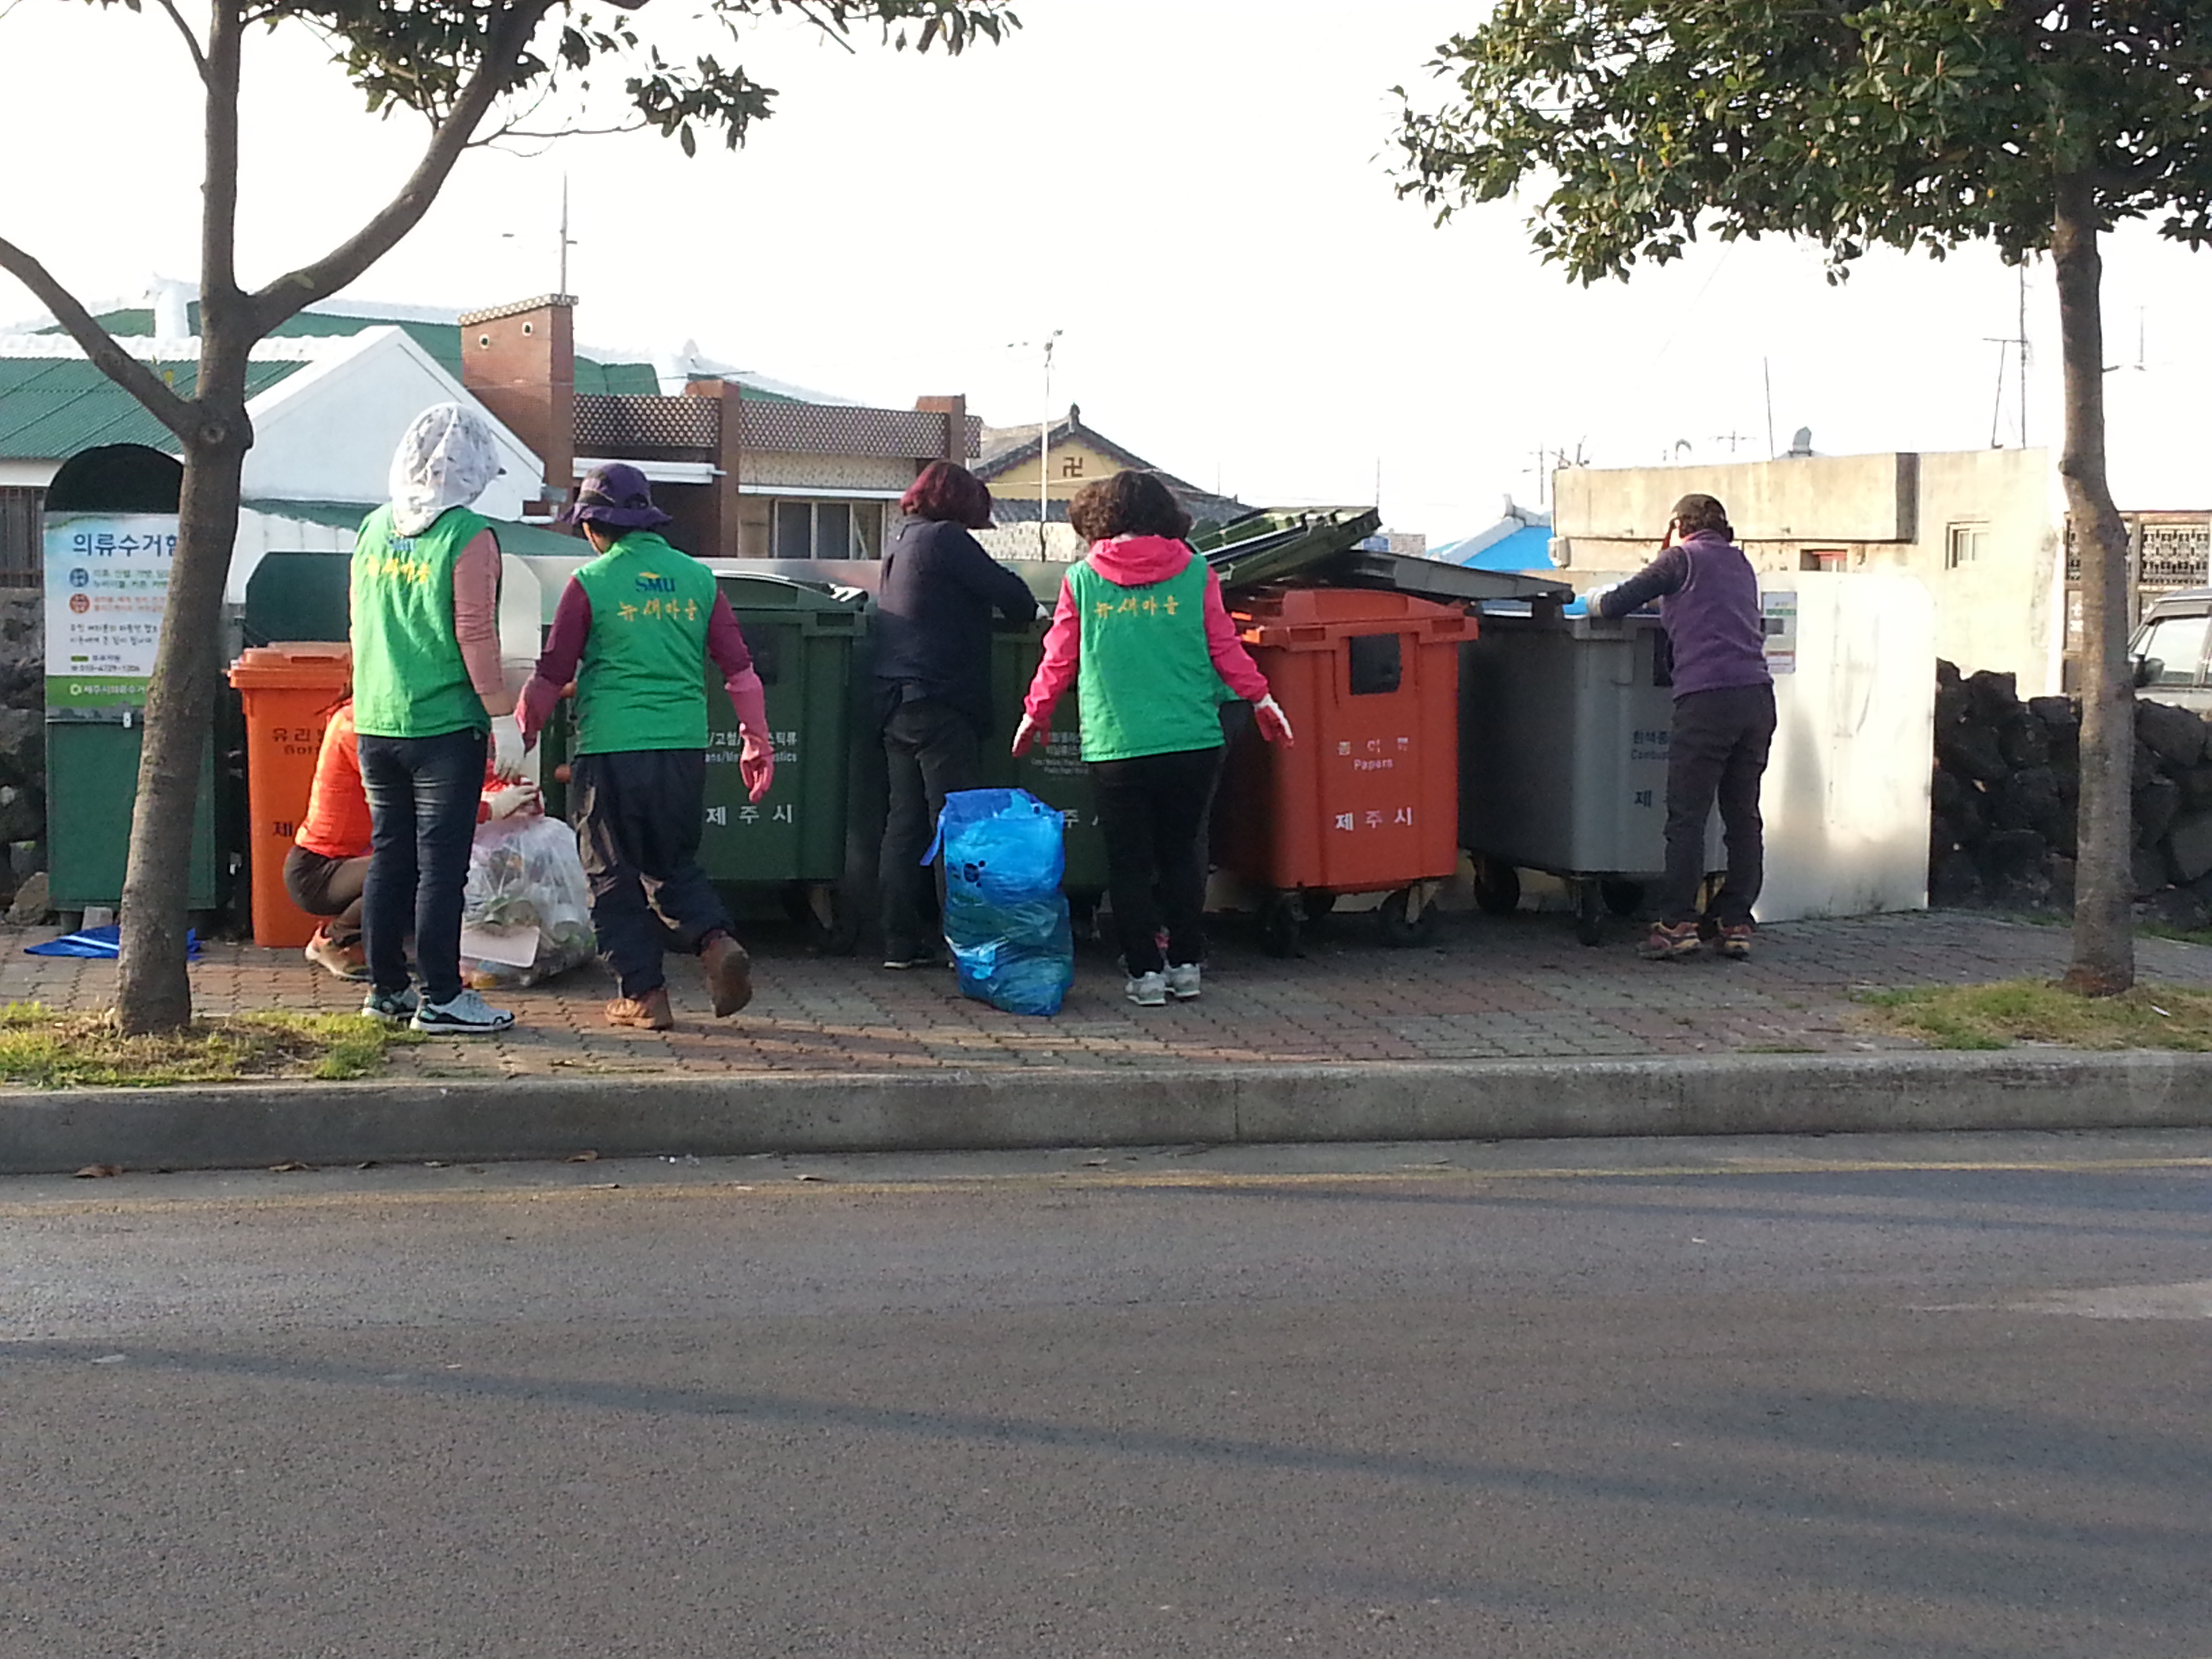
(615, 497)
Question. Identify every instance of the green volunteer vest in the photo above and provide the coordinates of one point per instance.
(409, 678)
(1146, 684)
(642, 683)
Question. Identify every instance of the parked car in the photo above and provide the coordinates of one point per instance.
(2169, 650)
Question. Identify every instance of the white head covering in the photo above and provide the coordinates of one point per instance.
(447, 459)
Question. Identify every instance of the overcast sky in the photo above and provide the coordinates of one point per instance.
(1196, 192)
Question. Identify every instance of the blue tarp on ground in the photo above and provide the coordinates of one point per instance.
(99, 944)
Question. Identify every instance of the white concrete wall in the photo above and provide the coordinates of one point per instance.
(2004, 611)
(326, 434)
(27, 475)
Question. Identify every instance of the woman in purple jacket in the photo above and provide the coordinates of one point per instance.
(1723, 721)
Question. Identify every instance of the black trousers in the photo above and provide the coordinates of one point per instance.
(422, 795)
(330, 888)
(1718, 751)
(1152, 814)
(639, 814)
(931, 751)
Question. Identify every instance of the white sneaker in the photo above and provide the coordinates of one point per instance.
(1148, 990)
(1182, 982)
(466, 1015)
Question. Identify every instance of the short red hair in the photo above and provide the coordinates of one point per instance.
(948, 492)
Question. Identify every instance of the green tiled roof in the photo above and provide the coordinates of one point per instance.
(50, 407)
(441, 340)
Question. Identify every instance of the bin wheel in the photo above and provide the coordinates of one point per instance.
(831, 920)
(1317, 902)
(1399, 928)
(1280, 922)
(1497, 887)
(1589, 912)
(1623, 898)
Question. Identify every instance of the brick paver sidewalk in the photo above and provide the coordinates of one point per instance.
(1487, 988)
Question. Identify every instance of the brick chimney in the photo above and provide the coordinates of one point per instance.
(955, 410)
(519, 361)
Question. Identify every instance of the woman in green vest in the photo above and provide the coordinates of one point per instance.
(1141, 631)
(429, 701)
(635, 631)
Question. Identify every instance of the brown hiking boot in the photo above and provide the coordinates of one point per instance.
(646, 1014)
(729, 974)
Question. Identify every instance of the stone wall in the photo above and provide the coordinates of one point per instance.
(2007, 785)
(22, 727)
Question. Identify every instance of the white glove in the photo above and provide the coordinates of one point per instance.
(1043, 611)
(507, 747)
(514, 799)
(1274, 724)
(1027, 733)
(1592, 598)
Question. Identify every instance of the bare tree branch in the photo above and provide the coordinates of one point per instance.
(287, 296)
(110, 359)
(191, 42)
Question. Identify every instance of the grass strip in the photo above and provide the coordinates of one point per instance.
(1998, 1015)
(50, 1050)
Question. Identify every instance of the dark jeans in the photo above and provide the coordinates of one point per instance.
(330, 888)
(1152, 813)
(639, 814)
(422, 795)
(931, 751)
(1718, 751)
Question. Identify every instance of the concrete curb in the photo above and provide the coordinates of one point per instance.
(254, 1125)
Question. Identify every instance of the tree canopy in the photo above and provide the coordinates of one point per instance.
(1910, 123)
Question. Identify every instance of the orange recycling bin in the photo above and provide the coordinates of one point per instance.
(290, 692)
(1367, 801)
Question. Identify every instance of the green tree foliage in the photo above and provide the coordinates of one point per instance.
(1912, 123)
(473, 70)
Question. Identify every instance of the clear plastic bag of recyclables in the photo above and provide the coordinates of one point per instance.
(527, 913)
(1006, 918)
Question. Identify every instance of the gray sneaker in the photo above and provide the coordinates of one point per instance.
(391, 1007)
(1148, 990)
(466, 1015)
(1182, 982)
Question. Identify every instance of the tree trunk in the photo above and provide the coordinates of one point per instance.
(152, 993)
(2104, 962)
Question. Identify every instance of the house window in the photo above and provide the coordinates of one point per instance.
(828, 529)
(1962, 545)
(1823, 558)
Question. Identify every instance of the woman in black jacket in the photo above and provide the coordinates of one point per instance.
(933, 679)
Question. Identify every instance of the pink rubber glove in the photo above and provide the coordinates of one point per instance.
(757, 766)
(1274, 724)
(534, 707)
(757, 757)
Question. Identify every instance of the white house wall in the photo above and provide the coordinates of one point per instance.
(326, 434)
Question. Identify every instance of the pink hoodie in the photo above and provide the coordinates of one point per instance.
(1138, 562)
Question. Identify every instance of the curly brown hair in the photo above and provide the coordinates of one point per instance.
(1127, 504)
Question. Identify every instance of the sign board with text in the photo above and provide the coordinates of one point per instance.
(108, 586)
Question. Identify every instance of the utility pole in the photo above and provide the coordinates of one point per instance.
(566, 242)
(1766, 374)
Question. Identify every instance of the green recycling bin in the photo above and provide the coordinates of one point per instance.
(91, 786)
(1053, 771)
(805, 641)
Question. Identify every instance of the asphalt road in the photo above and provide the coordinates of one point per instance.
(1929, 1398)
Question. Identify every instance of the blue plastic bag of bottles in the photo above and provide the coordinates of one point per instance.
(1005, 919)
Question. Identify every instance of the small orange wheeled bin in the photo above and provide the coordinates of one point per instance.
(289, 692)
(1367, 799)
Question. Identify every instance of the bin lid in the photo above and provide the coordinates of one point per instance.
(1433, 578)
(1275, 545)
(753, 592)
(293, 665)
(1317, 617)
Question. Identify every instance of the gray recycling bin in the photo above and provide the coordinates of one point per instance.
(1564, 723)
